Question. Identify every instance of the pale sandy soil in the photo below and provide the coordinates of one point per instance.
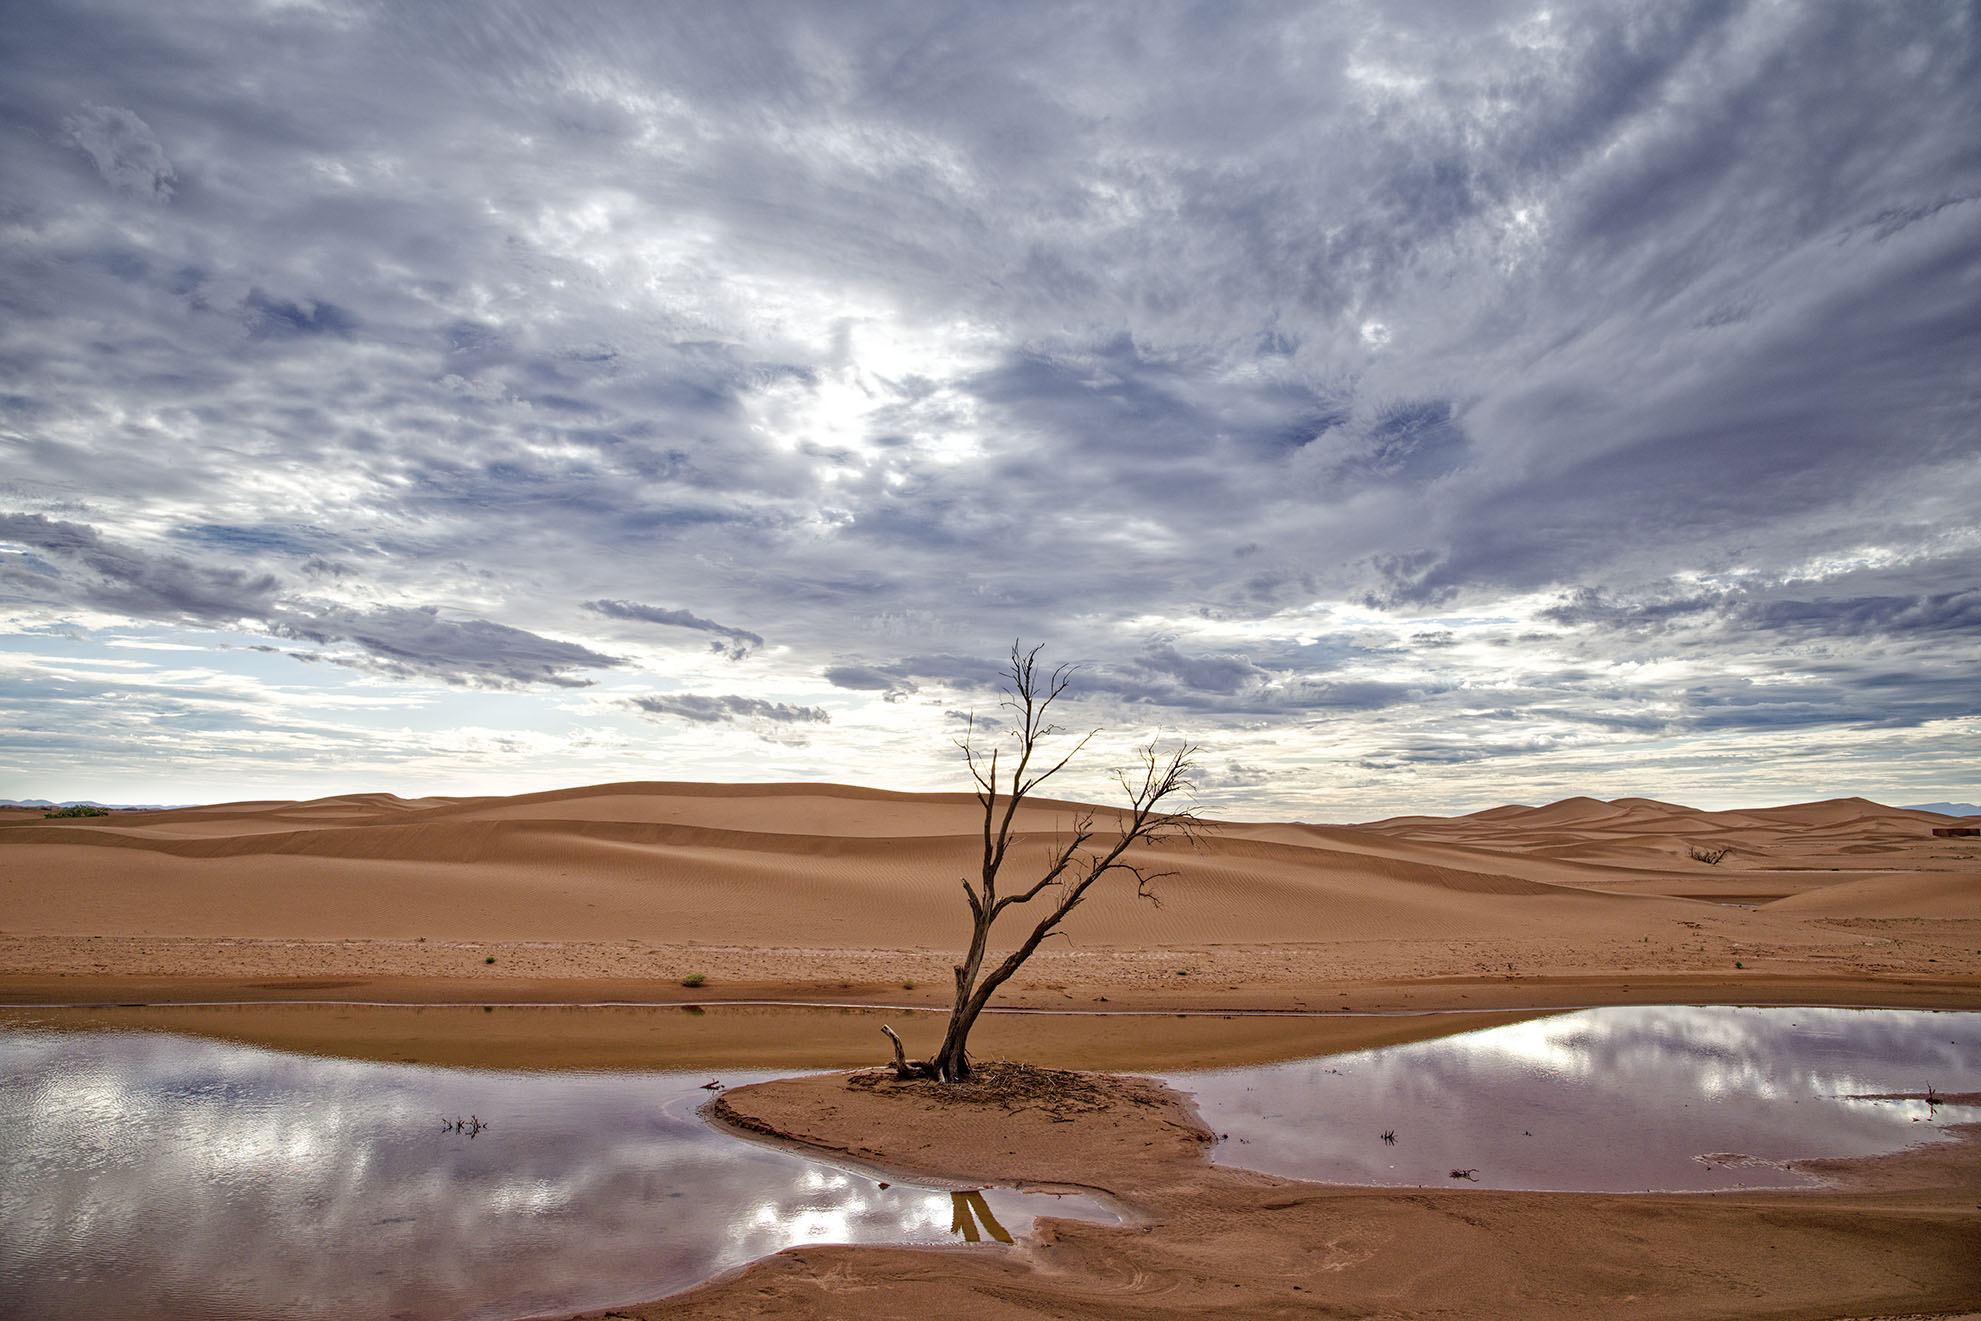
(820, 891)
(482, 907)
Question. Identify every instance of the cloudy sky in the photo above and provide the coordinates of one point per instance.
(1420, 405)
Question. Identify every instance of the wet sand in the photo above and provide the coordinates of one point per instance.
(595, 1032)
(1900, 1236)
(752, 1036)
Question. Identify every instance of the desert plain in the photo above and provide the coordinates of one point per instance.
(571, 928)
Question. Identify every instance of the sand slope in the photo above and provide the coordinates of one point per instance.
(805, 877)
(1643, 846)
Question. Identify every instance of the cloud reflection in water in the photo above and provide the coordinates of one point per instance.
(1603, 1100)
(156, 1176)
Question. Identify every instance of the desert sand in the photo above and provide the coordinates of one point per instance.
(462, 930)
(825, 892)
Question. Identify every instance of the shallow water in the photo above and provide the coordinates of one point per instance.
(152, 1176)
(1626, 1099)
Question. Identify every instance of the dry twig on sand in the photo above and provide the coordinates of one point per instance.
(1011, 1086)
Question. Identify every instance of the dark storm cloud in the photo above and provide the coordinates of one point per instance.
(1874, 616)
(402, 641)
(418, 641)
(727, 709)
(1779, 610)
(275, 316)
(1118, 395)
(122, 581)
(867, 677)
(1180, 415)
(262, 539)
(1588, 605)
(1162, 674)
(1221, 674)
(899, 331)
(740, 641)
(873, 679)
(1863, 697)
(124, 150)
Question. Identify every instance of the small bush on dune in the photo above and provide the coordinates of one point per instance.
(80, 809)
(694, 979)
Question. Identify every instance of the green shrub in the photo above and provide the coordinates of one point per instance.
(694, 979)
(79, 809)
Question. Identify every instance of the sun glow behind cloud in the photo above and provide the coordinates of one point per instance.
(1418, 406)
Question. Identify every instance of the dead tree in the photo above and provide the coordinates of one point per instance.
(1006, 775)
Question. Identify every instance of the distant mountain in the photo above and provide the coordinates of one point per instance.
(91, 802)
(1945, 809)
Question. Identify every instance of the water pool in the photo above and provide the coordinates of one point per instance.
(1624, 1099)
(147, 1175)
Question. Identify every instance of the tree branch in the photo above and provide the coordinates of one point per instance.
(1073, 864)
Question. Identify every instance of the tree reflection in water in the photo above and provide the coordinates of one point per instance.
(967, 1211)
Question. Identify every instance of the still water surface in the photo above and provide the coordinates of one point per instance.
(145, 1175)
(153, 1176)
(1626, 1099)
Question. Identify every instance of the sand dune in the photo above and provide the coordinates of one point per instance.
(807, 876)
(1640, 834)
(1927, 895)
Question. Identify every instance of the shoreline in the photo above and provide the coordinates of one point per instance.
(1883, 1236)
(1402, 996)
(804, 1026)
(1081, 990)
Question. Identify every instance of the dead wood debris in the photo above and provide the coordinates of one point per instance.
(1012, 1086)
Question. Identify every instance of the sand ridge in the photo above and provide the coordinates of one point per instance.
(814, 889)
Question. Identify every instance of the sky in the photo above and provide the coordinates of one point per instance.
(1415, 406)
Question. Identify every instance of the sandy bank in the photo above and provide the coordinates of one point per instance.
(524, 1026)
(1900, 1236)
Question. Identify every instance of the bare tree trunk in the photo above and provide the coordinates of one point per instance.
(902, 1069)
(1074, 862)
(952, 1061)
(1071, 867)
